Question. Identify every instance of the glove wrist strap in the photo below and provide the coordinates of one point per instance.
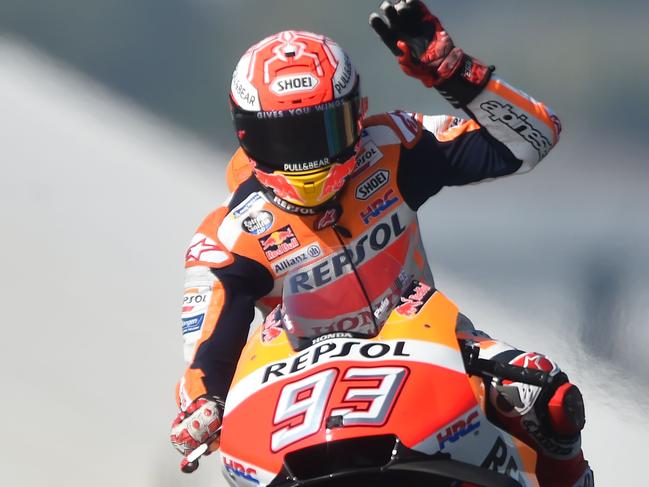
(467, 81)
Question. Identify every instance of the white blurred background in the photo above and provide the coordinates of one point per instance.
(99, 197)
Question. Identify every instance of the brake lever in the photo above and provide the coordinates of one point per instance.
(190, 463)
(493, 369)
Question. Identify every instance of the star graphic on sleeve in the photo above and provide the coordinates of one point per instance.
(195, 251)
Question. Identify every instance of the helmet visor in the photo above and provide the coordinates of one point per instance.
(300, 139)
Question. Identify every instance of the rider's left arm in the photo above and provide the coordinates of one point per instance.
(507, 130)
(453, 151)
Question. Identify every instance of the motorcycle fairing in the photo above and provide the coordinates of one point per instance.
(414, 366)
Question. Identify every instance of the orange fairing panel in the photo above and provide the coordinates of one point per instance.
(290, 413)
(280, 400)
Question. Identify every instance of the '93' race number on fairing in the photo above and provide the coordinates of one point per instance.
(304, 403)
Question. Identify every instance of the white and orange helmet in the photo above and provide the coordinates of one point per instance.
(297, 111)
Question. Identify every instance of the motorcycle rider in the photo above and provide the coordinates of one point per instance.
(313, 173)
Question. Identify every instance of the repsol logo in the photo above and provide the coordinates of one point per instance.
(501, 460)
(291, 208)
(372, 184)
(339, 264)
(519, 123)
(194, 298)
(292, 84)
(369, 155)
(336, 350)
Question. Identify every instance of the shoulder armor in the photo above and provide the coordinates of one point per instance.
(405, 125)
(205, 248)
(446, 128)
(238, 170)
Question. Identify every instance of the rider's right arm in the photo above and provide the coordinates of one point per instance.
(220, 293)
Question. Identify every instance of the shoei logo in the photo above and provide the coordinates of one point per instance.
(286, 85)
(372, 184)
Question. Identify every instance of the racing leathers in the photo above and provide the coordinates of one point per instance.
(241, 252)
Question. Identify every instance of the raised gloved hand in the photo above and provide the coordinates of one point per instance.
(425, 50)
(198, 425)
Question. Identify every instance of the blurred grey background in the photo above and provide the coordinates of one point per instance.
(115, 132)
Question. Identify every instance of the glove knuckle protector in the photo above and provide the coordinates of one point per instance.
(426, 51)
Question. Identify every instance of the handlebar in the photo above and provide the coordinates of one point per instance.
(492, 368)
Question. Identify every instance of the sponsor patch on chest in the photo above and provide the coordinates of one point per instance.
(279, 242)
(301, 256)
(372, 184)
(370, 154)
(258, 222)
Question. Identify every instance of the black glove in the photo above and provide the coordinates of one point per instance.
(425, 51)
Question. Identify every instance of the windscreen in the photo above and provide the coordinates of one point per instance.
(333, 295)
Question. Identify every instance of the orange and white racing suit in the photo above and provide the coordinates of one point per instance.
(242, 251)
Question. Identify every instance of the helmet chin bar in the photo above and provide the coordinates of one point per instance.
(297, 209)
(305, 192)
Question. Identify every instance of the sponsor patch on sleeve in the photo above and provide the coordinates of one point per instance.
(196, 299)
(193, 323)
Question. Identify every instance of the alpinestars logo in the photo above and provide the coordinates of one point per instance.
(519, 123)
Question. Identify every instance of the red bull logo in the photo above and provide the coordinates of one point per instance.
(279, 242)
(418, 294)
(336, 178)
(280, 185)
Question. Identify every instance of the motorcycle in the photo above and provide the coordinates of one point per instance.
(386, 395)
